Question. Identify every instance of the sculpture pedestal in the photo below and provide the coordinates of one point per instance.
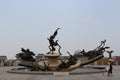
(52, 61)
(61, 73)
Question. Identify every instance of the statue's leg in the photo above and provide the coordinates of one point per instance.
(53, 49)
(49, 49)
(59, 49)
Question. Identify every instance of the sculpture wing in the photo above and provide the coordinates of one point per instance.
(55, 33)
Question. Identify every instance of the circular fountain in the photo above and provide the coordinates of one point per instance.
(53, 62)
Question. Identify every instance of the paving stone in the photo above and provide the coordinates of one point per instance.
(97, 76)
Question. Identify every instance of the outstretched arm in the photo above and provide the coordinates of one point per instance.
(55, 33)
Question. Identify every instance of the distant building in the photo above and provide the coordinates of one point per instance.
(3, 59)
(43, 57)
(40, 57)
(11, 62)
(116, 60)
(102, 61)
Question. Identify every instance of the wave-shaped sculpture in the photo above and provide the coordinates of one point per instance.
(53, 62)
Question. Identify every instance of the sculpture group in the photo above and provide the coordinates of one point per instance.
(53, 62)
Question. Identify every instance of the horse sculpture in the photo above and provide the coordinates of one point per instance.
(54, 43)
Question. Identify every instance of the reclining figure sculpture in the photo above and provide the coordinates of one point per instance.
(93, 53)
(26, 55)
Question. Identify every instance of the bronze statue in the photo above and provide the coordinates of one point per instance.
(72, 60)
(55, 62)
(93, 53)
(68, 62)
(53, 43)
(26, 55)
(63, 65)
(110, 54)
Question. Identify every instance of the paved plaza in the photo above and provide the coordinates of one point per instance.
(96, 76)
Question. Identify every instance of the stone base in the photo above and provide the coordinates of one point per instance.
(60, 73)
(52, 55)
(26, 63)
(52, 61)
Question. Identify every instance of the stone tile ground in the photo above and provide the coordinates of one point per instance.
(97, 76)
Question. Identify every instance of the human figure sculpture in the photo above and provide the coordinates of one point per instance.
(110, 54)
(26, 55)
(72, 60)
(53, 43)
(101, 45)
(93, 53)
(28, 52)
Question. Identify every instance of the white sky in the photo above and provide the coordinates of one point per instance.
(83, 23)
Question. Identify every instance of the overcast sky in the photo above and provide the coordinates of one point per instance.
(83, 23)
